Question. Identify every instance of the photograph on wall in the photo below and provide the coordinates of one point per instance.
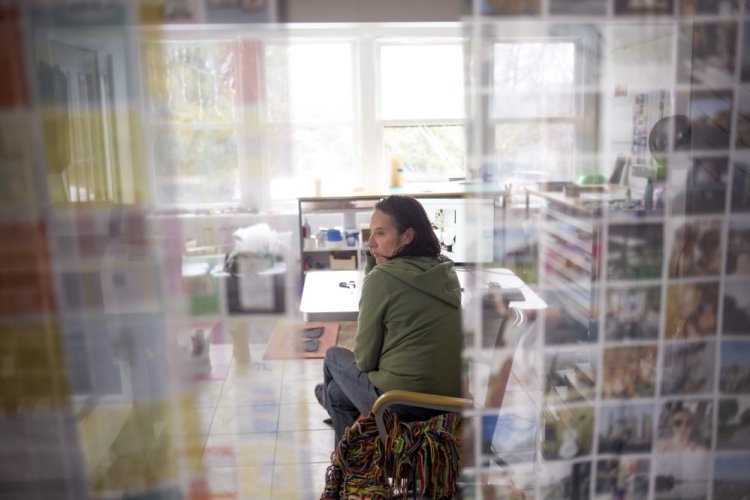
(736, 317)
(240, 11)
(740, 201)
(681, 477)
(511, 436)
(629, 372)
(622, 478)
(695, 249)
(510, 481)
(734, 374)
(734, 424)
(710, 114)
(700, 188)
(515, 8)
(684, 427)
(743, 111)
(565, 320)
(635, 251)
(571, 376)
(567, 432)
(688, 368)
(689, 8)
(745, 61)
(641, 8)
(625, 428)
(691, 310)
(564, 480)
(731, 479)
(738, 248)
(578, 7)
(17, 186)
(707, 53)
(633, 313)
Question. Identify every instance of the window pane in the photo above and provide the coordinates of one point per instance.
(309, 82)
(191, 83)
(429, 152)
(310, 152)
(533, 152)
(421, 82)
(203, 165)
(534, 80)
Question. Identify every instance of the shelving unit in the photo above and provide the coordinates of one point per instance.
(351, 212)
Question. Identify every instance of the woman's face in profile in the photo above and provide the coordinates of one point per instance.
(385, 241)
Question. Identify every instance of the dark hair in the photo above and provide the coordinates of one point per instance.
(406, 213)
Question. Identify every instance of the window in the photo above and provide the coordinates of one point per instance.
(422, 107)
(535, 110)
(193, 111)
(255, 120)
(310, 115)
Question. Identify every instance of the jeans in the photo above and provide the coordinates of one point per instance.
(348, 390)
(349, 393)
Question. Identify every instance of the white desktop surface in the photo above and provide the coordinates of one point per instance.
(322, 293)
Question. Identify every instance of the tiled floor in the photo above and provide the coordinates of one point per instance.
(260, 432)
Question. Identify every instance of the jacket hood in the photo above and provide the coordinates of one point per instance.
(433, 276)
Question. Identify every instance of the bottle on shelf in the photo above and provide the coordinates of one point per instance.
(306, 231)
(397, 172)
(648, 195)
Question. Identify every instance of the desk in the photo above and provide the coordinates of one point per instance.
(323, 299)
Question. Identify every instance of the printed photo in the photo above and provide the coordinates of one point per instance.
(626, 428)
(510, 8)
(738, 248)
(707, 7)
(695, 249)
(734, 424)
(743, 112)
(511, 436)
(16, 165)
(707, 53)
(578, 7)
(745, 64)
(571, 376)
(736, 318)
(731, 478)
(701, 187)
(710, 113)
(681, 477)
(688, 368)
(633, 313)
(565, 322)
(734, 377)
(691, 310)
(622, 478)
(635, 251)
(565, 480)
(741, 186)
(567, 432)
(640, 8)
(513, 481)
(629, 372)
(684, 427)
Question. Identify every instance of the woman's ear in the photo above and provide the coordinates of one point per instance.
(408, 236)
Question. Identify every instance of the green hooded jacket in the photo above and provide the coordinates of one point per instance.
(409, 333)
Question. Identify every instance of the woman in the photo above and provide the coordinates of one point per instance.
(409, 332)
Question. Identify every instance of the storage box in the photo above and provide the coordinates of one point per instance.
(342, 261)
